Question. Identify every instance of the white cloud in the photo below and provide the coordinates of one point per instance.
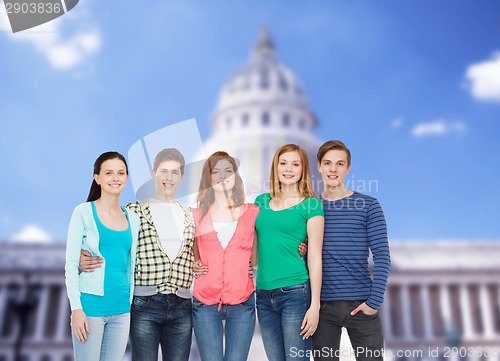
(483, 79)
(74, 51)
(63, 51)
(438, 128)
(31, 233)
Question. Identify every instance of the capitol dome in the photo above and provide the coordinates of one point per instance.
(263, 82)
(260, 108)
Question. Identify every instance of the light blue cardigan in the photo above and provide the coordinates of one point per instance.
(83, 235)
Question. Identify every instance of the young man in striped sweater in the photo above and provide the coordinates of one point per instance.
(350, 296)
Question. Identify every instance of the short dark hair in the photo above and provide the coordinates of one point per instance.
(169, 154)
(333, 145)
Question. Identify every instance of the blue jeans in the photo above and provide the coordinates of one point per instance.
(106, 341)
(240, 324)
(161, 320)
(365, 332)
(281, 312)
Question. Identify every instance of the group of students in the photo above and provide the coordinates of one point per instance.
(129, 270)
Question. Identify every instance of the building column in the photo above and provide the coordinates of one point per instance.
(445, 305)
(42, 312)
(426, 311)
(387, 317)
(486, 314)
(3, 306)
(465, 309)
(406, 312)
(497, 307)
(62, 320)
(449, 324)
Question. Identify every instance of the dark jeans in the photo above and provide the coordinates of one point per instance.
(160, 319)
(364, 331)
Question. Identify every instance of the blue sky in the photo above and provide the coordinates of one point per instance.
(412, 87)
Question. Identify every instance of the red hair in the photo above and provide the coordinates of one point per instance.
(205, 196)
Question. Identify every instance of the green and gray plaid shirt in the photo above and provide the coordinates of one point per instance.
(152, 266)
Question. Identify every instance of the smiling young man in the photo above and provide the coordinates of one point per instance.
(161, 307)
(350, 296)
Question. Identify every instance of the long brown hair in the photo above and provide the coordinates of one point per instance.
(304, 184)
(205, 197)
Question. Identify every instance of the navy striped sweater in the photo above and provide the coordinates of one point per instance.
(354, 225)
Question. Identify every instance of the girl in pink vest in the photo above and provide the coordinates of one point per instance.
(225, 238)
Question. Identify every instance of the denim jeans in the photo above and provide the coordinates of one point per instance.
(240, 324)
(365, 332)
(161, 320)
(106, 341)
(281, 312)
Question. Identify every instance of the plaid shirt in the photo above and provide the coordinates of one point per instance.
(152, 266)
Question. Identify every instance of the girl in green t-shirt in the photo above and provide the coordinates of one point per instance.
(288, 295)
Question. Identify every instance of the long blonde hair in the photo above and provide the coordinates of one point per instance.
(304, 184)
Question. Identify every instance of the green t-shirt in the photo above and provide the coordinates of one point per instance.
(279, 236)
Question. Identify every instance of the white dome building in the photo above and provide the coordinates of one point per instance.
(260, 108)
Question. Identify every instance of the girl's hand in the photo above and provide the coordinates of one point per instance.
(310, 322)
(79, 325)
